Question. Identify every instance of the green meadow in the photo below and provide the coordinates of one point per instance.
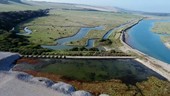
(162, 28)
(63, 23)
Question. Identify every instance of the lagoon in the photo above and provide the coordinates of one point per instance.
(88, 70)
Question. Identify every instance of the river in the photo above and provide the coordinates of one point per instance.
(61, 43)
(26, 32)
(143, 39)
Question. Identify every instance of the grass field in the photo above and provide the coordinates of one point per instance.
(163, 28)
(63, 23)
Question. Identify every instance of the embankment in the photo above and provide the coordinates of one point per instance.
(156, 65)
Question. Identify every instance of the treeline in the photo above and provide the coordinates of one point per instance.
(84, 53)
(83, 49)
(9, 41)
(8, 20)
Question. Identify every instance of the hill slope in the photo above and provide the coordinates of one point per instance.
(8, 1)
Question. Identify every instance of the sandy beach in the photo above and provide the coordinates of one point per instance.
(156, 65)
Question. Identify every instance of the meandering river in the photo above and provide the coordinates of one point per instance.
(143, 39)
(61, 43)
(26, 32)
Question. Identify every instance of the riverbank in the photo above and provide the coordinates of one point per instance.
(156, 65)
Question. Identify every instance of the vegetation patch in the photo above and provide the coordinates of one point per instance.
(9, 41)
(162, 29)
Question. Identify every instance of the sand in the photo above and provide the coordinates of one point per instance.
(167, 44)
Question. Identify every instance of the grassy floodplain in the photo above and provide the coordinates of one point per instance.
(63, 23)
(163, 28)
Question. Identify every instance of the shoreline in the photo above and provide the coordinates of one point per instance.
(167, 44)
(156, 65)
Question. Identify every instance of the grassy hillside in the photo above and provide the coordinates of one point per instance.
(7, 1)
(17, 5)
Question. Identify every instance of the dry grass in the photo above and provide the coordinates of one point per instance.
(162, 28)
